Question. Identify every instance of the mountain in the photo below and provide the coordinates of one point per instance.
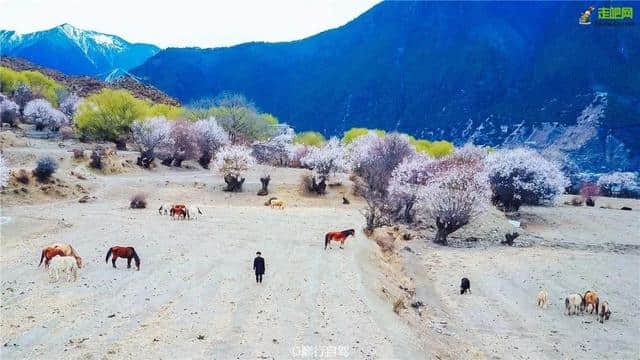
(497, 73)
(75, 51)
(86, 85)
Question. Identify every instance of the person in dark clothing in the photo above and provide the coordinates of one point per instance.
(258, 267)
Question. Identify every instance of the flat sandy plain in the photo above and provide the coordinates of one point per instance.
(195, 295)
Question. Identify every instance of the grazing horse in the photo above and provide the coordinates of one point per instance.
(179, 210)
(340, 236)
(465, 285)
(48, 253)
(605, 311)
(573, 304)
(590, 301)
(278, 203)
(63, 264)
(123, 252)
(69, 251)
(541, 299)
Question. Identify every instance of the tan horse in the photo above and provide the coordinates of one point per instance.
(69, 251)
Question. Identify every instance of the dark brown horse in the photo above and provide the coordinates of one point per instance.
(340, 236)
(48, 253)
(127, 252)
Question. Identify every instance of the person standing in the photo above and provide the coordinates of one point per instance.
(258, 267)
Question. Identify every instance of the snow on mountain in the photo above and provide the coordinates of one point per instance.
(76, 51)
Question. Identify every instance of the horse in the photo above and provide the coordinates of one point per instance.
(69, 251)
(541, 299)
(63, 264)
(123, 252)
(605, 312)
(590, 301)
(465, 286)
(179, 210)
(340, 236)
(49, 253)
(573, 304)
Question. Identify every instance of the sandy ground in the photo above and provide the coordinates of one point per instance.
(196, 278)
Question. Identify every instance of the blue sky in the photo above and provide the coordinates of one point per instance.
(185, 22)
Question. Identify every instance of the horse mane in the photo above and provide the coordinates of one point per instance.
(135, 256)
(42, 256)
(348, 232)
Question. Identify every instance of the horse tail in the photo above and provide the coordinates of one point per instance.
(135, 256)
(108, 255)
(326, 241)
(42, 257)
(597, 304)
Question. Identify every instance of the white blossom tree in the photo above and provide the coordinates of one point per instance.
(4, 172)
(405, 183)
(623, 184)
(149, 135)
(9, 110)
(211, 137)
(184, 143)
(69, 104)
(40, 113)
(522, 176)
(325, 161)
(233, 161)
(453, 197)
(277, 151)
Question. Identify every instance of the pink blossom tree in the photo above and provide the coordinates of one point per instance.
(523, 177)
(277, 151)
(184, 143)
(325, 161)
(211, 137)
(69, 104)
(373, 160)
(40, 113)
(233, 161)
(405, 182)
(149, 135)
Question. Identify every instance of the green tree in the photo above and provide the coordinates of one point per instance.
(441, 148)
(109, 114)
(350, 135)
(43, 86)
(10, 80)
(168, 111)
(270, 118)
(309, 138)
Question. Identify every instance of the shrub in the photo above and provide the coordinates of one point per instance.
(45, 167)
(622, 184)
(40, 113)
(522, 176)
(22, 177)
(96, 158)
(78, 154)
(350, 135)
(4, 172)
(233, 161)
(42, 86)
(149, 135)
(211, 137)
(108, 114)
(309, 138)
(10, 80)
(166, 111)
(239, 118)
(8, 111)
(138, 201)
(373, 159)
(438, 149)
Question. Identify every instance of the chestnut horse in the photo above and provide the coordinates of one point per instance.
(179, 210)
(48, 253)
(123, 252)
(340, 236)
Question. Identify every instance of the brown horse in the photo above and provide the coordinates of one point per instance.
(179, 210)
(48, 253)
(340, 236)
(127, 252)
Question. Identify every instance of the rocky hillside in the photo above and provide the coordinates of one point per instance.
(76, 51)
(493, 72)
(85, 85)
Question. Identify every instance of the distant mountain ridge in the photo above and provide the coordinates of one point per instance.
(75, 51)
(497, 73)
(87, 85)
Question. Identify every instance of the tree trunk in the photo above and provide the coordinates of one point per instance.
(233, 183)
(408, 216)
(441, 236)
(205, 159)
(146, 158)
(121, 143)
(444, 229)
(177, 162)
(319, 187)
(167, 161)
(265, 183)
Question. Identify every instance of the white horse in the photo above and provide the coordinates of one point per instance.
(542, 299)
(63, 264)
